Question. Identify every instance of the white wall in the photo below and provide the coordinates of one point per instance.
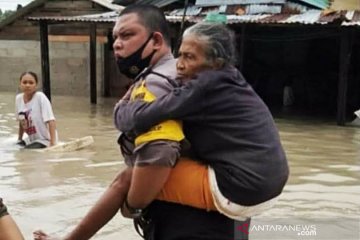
(69, 66)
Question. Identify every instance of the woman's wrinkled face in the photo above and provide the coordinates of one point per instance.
(192, 57)
(28, 84)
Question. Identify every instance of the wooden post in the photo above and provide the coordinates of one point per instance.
(345, 61)
(93, 63)
(242, 49)
(107, 67)
(45, 66)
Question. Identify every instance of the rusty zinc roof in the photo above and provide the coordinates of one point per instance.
(101, 17)
(38, 3)
(270, 14)
(321, 4)
(354, 16)
(312, 17)
(158, 3)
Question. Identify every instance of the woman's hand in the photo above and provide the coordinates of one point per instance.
(21, 142)
(52, 132)
(40, 235)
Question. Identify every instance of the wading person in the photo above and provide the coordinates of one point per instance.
(35, 115)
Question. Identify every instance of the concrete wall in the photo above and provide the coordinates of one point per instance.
(69, 66)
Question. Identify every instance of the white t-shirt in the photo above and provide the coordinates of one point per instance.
(33, 116)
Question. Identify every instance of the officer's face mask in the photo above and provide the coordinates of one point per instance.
(133, 64)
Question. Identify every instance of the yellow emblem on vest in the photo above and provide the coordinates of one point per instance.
(167, 130)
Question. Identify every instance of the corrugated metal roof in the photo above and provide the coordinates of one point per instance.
(38, 3)
(322, 4)
(295, 8)
(312, 17)
(352, 18)
(309, 17)
(158, 3)
(102, 17)
(190, 11)
(243, 9)
(261, 9)
(108, 4)
(236, 2)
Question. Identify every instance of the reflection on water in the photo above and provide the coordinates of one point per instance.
(324, 165)
(57, 189)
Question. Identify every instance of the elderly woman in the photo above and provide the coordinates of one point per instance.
(8, 228)
(241, 166)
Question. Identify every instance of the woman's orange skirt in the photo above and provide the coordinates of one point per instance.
(188, 184)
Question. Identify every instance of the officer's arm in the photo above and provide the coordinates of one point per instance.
(181, 103)
(152, 167)
(146, 183)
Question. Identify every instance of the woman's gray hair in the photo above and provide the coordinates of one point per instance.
(219, 40)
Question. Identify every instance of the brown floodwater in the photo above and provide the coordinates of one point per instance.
(52, 191)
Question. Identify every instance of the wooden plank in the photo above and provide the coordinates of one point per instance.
(71, 29)
(75, 38)
(24, 31)
(70, 12)
(69, 146)
(33, 31)
(242, 48)
(19, 37)
(345, 61)
(22, 24)
(45, 66)
(93, 98)
(68, 5)
(107, 67)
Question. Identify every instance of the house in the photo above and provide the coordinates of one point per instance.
(304, 44)
(21, 45)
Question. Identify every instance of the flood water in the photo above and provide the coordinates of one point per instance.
(52, 191)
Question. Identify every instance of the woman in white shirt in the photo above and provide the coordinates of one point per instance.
(35, 115)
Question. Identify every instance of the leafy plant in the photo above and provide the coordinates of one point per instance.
(5, 14)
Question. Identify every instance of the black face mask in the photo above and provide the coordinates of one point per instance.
(132, 65)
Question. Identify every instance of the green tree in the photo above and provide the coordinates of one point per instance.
(5, 14)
